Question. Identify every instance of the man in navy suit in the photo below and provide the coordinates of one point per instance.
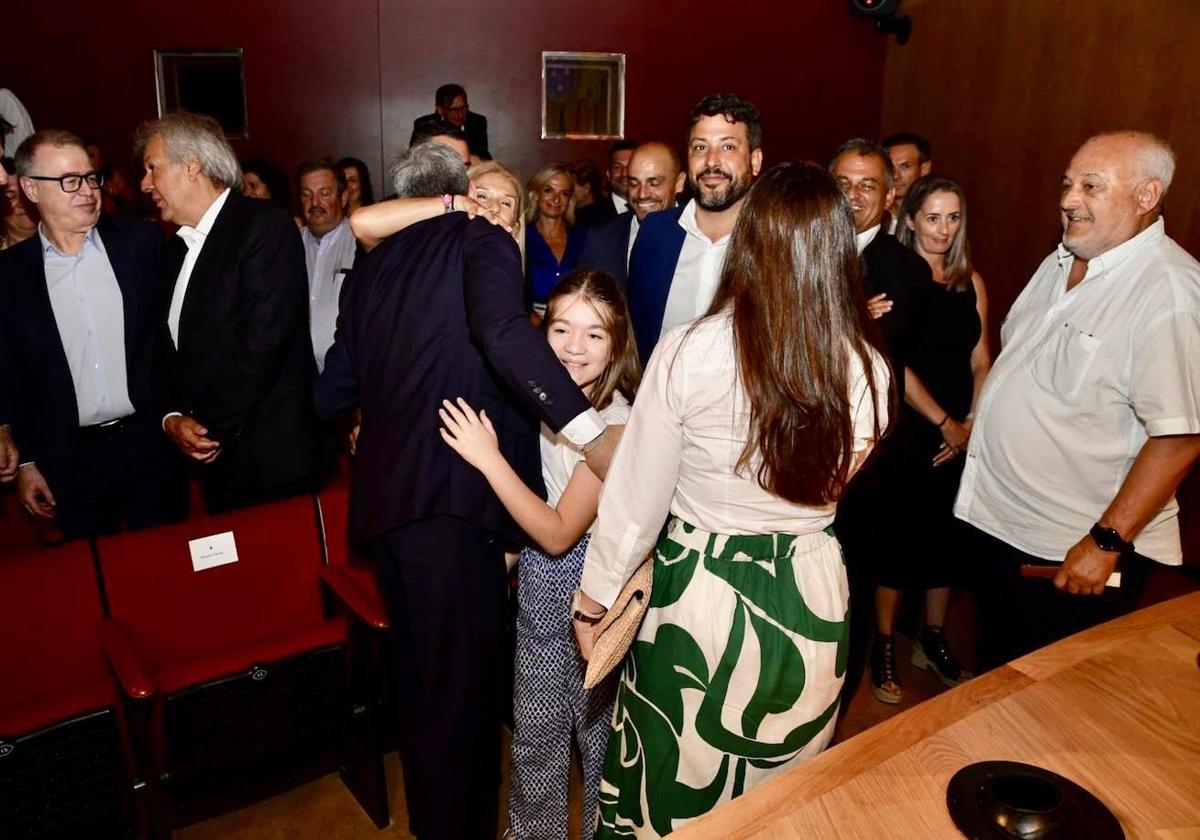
(434, 312)
(451, 108)
(654, 179)
(676, 262)
(78, 310)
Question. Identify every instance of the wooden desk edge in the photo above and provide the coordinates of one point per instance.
(748, 815)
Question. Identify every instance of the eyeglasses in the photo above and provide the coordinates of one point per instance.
(73, 183)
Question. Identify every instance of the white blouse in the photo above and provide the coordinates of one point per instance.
(679, 454)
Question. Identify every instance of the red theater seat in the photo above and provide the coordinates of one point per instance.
(65, 767)
(244, 679)
(350, 575)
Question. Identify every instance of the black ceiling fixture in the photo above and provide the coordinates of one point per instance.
(883, 12)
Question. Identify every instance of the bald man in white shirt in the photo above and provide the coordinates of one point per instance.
(1090, 418)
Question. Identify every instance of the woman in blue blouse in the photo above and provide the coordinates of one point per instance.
(552, 241)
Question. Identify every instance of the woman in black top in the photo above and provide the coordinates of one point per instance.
(949, 360)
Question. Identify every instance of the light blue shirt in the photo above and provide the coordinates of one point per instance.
(329, 259)
(90, 314)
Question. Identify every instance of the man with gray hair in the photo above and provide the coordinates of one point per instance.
(1090, 418)
(235, 362)
(437, 311)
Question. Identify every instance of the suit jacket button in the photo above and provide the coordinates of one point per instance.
(542, 396)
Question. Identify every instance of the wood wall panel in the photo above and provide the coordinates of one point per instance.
(1008, 89)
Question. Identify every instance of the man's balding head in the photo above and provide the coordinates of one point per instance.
(1113, 190)
(654, 178)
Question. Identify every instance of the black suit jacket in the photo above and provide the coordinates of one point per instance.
(475, 127)
(244, 366)
(904, 276)
(35, 379)
(436, 312)
(607, 247)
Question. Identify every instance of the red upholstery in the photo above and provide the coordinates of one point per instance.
(171, 615)
(51, 661)
(350, 575)
(17, 528)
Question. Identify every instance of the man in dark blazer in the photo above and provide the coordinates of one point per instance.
(435, 312)
(676, 262)
(79, 305)
(654, 179)
(235, 368)
(898, 283)
(450, 106)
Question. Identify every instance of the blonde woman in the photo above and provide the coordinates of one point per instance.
(552, 240)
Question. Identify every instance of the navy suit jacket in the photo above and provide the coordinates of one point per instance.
(903, 275)
(607, 247)
(35, 379)
(475, 128)
(436, 312)
(244, 367)
(651, 269)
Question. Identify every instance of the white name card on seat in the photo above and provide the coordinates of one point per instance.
(217, 550)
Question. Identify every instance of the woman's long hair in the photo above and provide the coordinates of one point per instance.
(958, 269)
(366, 191)
(539, 180)
(792, 284)
(601, 291)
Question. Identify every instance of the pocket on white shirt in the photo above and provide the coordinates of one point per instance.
(1062, 364)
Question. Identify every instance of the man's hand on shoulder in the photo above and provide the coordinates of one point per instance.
(191, 437)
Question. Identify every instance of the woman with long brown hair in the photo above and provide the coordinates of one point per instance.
(747, 427)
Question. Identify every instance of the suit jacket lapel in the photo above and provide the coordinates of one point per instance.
(42, 314)
(211, 251)
(125, 270)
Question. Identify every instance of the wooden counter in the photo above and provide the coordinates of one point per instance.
(1115, 709)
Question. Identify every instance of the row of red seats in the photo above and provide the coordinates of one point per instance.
(138, 694)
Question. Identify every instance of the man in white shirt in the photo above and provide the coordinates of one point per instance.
(1090, 418)
(329, 247)
(678, 256)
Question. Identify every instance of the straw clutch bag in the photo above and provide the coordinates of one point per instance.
(619, 627)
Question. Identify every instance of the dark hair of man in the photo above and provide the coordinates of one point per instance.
(428, 169)
(792, 284)
(9, 166)
(425, 132)
(924, 147)
(958, 269)
(366, 192)
(600, 291)
(621, 146)
(322, 165)
(446, 94)
(586, 172)
(23, 158)
(733, 108)
(273, 177)
(867, 148)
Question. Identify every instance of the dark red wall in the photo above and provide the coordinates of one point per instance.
(349, 77)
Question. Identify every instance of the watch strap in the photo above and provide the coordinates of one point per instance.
(1109, 539)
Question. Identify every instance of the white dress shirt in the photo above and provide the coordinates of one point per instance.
(1084, 378)
(90, 314)
(634, 227)
(328, 259)
(194, 237)
(680, 450)
(697, 273)
(862, 240)
(560, 457)
(622, 204)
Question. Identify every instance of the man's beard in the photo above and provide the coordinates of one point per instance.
(725, 197)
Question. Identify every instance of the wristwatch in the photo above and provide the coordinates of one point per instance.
(1109, 539)
(578, 613)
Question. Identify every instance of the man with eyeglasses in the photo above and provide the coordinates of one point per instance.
(451, 108)
(77, 321)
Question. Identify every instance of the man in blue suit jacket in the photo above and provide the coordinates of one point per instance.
(677, 259)
(434, 312)
(78, 314)
(654, 179)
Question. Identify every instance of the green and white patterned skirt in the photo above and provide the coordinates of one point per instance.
(735, 674)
